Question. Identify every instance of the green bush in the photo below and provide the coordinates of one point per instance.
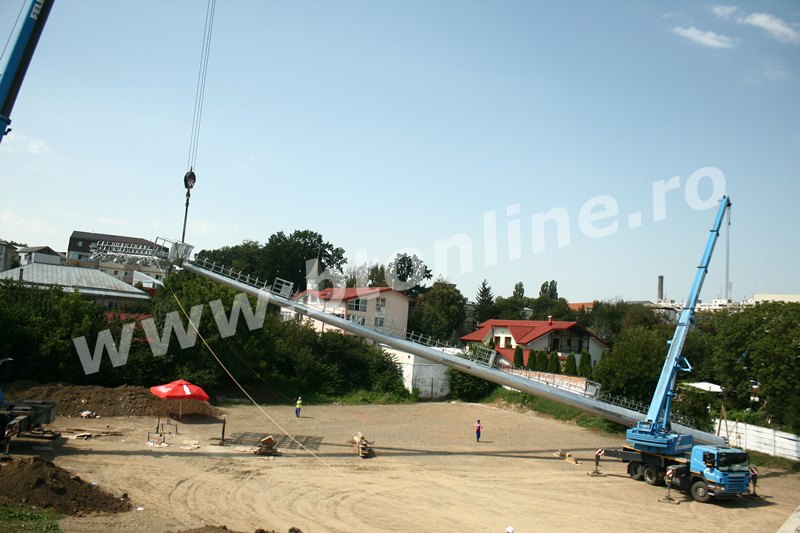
(570, 366)
(469, 388)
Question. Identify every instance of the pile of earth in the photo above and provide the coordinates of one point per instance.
(72, 400)
(34, 481)
(223, 529)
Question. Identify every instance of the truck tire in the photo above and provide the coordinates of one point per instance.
(700, 491)
(635, 470)
(651, 475)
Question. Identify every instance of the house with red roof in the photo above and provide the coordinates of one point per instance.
(378, 307)
(550, 335)
(581, 306)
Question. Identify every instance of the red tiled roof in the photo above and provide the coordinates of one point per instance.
(348, 293)
(581, 305)
(523, 331)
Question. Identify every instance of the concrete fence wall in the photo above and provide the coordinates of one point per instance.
(759, 439)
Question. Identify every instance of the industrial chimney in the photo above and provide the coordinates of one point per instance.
(660, 288)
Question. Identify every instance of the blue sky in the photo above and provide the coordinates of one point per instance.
(451, 129)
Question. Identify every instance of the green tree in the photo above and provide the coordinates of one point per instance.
(406, 273)
(633, 366)
(519, 290)
(761, 344)
(37, 326)
(607, 320)
(541, 361)
(570, 365)
(366, 275)
(439, 312)
(549, 289)
(553, 364)
(518, 357)
(469, 388)
(531, 360)
(509, 308)
(484, 303)
(281, 256)
(585, 365)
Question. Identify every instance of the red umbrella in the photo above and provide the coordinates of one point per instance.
(179, 390)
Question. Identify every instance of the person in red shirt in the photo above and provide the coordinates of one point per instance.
(478, 428)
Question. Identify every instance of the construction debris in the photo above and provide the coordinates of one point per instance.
(567, 457)
(267, 447)
(362, 445)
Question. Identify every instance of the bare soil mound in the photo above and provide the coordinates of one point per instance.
(223, 529)
(126, 400)
(34, 481)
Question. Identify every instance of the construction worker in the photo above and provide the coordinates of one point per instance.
(297, 406)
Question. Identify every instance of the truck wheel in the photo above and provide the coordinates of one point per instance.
(651, 475)
(635, 470)
(700, 492)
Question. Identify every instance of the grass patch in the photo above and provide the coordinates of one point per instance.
(778, 463)
(556, 410)
(369, 397)
(19, 519)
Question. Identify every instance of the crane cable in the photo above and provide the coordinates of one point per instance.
(201, 85)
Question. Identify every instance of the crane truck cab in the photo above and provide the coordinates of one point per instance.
(719, 472)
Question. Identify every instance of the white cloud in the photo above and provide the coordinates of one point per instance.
(705, 38)
(775, 27)
(724, 12)
(33, 231)
(20, 143)
(767, 71)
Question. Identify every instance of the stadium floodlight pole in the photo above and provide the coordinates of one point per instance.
(189, 180)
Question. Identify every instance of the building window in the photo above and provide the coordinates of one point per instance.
(380, 304)
(357, 304)
(379, 321)
(80, 244)
(358, 320)
(508, 342)
(127, 273)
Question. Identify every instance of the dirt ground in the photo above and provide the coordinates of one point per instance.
(428, 474)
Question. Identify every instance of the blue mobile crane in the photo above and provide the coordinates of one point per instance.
(15, 65)
(656, 452)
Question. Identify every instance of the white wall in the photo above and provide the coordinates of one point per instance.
(430, 379)
(760, 439)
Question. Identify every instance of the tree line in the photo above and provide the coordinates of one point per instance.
(754, 354)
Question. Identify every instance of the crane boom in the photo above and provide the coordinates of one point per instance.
(655, 433)
(16, 65)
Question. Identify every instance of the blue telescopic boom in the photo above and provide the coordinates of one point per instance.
(13, 70)
(654, 433)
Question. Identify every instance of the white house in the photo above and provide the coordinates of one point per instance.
(559, 336)
(378, 307)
